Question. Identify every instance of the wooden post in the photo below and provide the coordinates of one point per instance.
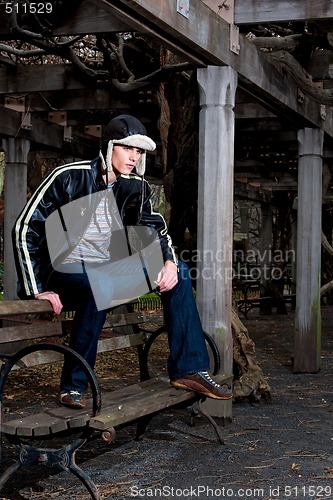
(217, 87)
(266, 244)
(15, 198)
(308, 318)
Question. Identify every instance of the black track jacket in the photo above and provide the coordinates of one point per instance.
(63, 185)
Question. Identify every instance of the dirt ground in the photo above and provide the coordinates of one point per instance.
(278, 449)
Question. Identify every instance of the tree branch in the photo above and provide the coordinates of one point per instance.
(288, 43)
(286, 61)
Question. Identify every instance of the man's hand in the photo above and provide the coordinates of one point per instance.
(53, 298)
(168, 277)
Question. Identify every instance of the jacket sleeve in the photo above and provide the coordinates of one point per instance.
(156, 221)
(29, 239)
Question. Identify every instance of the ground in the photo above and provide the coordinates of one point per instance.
(278, 449)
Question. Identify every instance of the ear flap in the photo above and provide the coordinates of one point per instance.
(109, 156)
(101, 157)
(140, 166)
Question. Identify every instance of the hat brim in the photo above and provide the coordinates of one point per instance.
(137, 141)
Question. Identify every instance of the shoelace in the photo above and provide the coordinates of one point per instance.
(208, 378)
(70, 393)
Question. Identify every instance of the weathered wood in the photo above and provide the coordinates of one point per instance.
(19, 307)
(15, 198)
(48, 134)
(89, 18)
(146, 400)
(255, 72)
(45, 77)
(114, 342)
(250, 382)
(271, 11)
(45, 423)
(119, 341)
(216, 154)
(77, 100)
(122, 406)
(36, 330)
(266, 242)
(27, 328)
(117, 320)
(307, 336)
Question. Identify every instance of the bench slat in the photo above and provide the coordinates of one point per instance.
(11, 307)
(116, 340)
(44, 423)
(118, 407)
(145, 401)
(134, 318)
(29, 332)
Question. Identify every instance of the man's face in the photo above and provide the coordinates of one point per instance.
(124, 158)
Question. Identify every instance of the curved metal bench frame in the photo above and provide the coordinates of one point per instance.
(64, 456)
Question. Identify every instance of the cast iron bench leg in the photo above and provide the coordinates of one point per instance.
(64, 457)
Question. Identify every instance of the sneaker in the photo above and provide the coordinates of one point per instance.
(73, 399)
(202, 383)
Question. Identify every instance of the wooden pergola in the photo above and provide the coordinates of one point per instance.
(246, 103)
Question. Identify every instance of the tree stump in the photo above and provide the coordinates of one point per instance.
(249, 380)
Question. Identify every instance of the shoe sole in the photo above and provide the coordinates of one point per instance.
(178, 385)
(78, 406)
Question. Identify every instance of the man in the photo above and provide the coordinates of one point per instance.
(69, 244)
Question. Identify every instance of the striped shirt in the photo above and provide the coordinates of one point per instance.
(94, 244)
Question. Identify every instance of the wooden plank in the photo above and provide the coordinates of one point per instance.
(117, 320)
(44, 423)
(149, 399)
(119, 407)
(268, 11)
(78, 100)
(119, 341)
(39, 358)
(41, 77)
(11, 307)
(32, 425)
(32, 331)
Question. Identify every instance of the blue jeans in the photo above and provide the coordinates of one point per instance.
(188, 351)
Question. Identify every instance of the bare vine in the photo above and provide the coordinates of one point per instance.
(106, 58)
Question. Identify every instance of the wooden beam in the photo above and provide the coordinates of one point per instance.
(39, 78)
(87, 19)
(252, 110)
(268, 11)
(251, 193)
(159, 18)
(47, 134)
(77, 100)
(190, 35)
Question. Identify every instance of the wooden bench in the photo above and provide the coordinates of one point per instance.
(248, 296)
(104, 413)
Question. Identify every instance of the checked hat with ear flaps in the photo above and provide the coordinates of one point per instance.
(126, 130)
